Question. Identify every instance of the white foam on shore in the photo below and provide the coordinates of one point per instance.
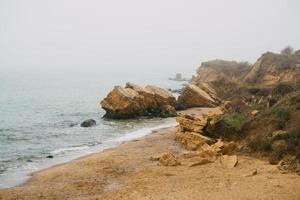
(15, 177)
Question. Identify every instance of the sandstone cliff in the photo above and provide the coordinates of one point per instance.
(272, 69)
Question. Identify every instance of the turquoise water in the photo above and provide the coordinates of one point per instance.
(40, 115)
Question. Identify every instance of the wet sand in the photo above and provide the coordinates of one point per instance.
(127, 172)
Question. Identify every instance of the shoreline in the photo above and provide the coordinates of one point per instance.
(127, 172)
(21, 176)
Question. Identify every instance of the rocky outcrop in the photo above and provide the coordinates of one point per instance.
(215, 70)
(191, 134)
(272, 69)
(88, 123)
(134, 100)
(191, 123)
(222, 77)
(194, 96)
(168, 159)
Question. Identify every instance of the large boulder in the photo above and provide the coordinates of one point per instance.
(194, 96)
(134, 100)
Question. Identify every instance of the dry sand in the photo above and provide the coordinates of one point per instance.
(126, 172)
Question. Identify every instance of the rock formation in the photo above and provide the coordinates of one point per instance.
(168, 159)
(134, 100)
(194, 96)
(272, 69)
(191, 134)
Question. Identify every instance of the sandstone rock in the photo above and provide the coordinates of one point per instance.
(168, 159)
(193, 96)
(191, 123)
(229, 148)
(88, 123)
(252, 173)
(218, 146)
(224, 148)
(202, 161)
(191, 140)
(206, 151)
(154, 158)
(229, 161)
(161, 96)
(289, 163)
(279, 133)
(254, 112)
(134, 100)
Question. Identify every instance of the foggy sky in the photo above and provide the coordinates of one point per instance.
(142, 35)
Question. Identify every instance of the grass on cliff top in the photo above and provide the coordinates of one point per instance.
(236, 121)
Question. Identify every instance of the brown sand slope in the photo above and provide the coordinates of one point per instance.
(126, 172)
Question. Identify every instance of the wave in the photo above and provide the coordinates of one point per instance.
(63, 150)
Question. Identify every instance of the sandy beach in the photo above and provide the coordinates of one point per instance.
(127, 172)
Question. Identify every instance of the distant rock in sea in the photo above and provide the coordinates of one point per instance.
(178, 77)
(88, 123)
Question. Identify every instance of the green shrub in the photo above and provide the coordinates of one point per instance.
(236, 121)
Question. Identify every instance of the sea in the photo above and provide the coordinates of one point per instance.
(41, 112)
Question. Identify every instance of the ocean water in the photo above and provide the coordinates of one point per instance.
(40, 113)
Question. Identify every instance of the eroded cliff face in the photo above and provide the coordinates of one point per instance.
(226, 80)
(271, 69)
(134, 100)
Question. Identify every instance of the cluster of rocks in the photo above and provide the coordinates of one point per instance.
(134, 100)
(191, 134)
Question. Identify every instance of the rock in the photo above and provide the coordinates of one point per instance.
(252, 173)
(229, 148)
(134, 100)
(218, 146)
(50, 156)
(279, 133)
(206, 151)
(167, 111)
(88, 123)
(254, 112)
(202, 161)
(191, 123)
(224, 148)
(289, 163)
(229, 161)
(193, 96)
(154, 158)
(168, 159)
(190, 154)
(191, 140)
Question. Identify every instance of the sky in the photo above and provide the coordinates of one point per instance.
(142, 36)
